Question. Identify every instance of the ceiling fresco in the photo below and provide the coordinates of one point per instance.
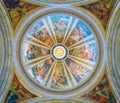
(18, 93)
(59, 51)
(102, 10)
(102, 93)
(17, 10)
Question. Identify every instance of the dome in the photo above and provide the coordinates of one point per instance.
(59, 51)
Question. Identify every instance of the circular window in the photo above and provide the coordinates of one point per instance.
(58, 51)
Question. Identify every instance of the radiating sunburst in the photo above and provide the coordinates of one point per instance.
(59, 51)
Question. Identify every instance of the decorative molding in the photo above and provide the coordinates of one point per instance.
(113, 48)
(6, 63)
(59, 100)
(60, 3)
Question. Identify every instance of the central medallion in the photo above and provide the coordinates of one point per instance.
(59, 52)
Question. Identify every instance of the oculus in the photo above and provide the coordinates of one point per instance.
(59, 52)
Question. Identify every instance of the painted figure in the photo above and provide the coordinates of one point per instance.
(59, 79)
(76, 36)
(30, 52)
(102, 93)
(42, 35)
(88, 53)
(40, 71)
(78, 71)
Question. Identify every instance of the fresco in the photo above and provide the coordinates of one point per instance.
(101, 10)
(17, 92)
(59, 79)
(102, 93)
(60, 23)
(59, 51)
(79, 72)
(17, 10)
(88, 52)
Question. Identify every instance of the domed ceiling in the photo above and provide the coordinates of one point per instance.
(59, 51)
